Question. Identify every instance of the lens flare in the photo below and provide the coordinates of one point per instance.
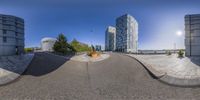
(179, 33)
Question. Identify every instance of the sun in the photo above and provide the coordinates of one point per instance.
(179, 33)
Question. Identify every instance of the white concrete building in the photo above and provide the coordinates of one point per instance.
(126, 34)
(11, 35)
(110, 38)
(192, 35)
(47, 44)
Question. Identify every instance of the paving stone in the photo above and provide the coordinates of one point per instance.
(186, 69)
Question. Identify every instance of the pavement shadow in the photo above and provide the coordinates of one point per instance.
(13, 63)
(195, 60)
(44, 63)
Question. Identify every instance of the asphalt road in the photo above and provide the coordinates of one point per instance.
(117, 78)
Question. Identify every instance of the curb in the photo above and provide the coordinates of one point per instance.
(155, 73)
(170, 80)
(167, 79)
(9, 78)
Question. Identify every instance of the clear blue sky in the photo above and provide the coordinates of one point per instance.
(86, 20)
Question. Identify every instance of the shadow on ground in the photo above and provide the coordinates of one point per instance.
(44, 63)
(195, 60)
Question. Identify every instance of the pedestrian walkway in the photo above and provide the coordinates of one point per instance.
(11, 67)
(177, 71)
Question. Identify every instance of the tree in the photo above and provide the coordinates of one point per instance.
(79, 47)
(61, 44)
(75, 45)
(28, 50)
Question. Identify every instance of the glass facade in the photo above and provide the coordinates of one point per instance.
(110, 39)
(126, 34)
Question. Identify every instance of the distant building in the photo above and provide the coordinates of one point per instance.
(11, 35)
(36, 49)
(98, 47)
(126, 34)
(192, 35)
(110, 38)
(47, 44)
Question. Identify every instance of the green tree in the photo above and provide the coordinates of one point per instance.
(61, 44)
(28, 50)
(79, 47)
(75, 45)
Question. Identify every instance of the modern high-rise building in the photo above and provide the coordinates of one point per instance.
(126, 34)
(110, 38)
(192, 35)
(11, 35)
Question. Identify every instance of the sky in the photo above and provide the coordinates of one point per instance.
(161, 22)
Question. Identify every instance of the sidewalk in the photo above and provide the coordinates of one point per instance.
(171, 69)
(11, 67)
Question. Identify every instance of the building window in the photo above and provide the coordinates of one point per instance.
(4, 39)
(4, 18)
(16, 41)
(4, 31)
(16, 34)
(17, 50)
(4, 21)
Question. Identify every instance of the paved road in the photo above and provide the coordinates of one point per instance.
(117, 78)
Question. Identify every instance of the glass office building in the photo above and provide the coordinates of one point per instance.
(110, 39)
(126, 34)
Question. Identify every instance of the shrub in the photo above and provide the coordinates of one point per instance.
(93, 53)
(180, 53)
(79, 47)
(28, 50)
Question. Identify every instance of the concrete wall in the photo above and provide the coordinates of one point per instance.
(14, 35)
(192, 35)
